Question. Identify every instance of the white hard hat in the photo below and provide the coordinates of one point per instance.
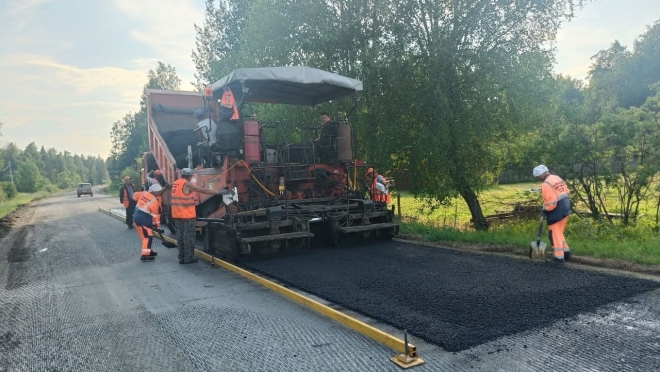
(539, 170)
(155, 187)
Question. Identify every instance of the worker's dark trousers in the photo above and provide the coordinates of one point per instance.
(129, 213)
(185, 238)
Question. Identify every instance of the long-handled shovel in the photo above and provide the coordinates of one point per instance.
(163, 241)
(537, 248)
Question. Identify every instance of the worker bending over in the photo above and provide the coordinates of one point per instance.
(556, 208)
(184, 213)
(157, 177)
(379, 190)
(147, 217)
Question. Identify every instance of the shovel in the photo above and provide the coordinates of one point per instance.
(537, 248)
(163, 241)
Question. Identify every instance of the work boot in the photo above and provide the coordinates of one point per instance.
(191, 261)
(567, 255)
(555, 260)
(154, 253)
(147, 258)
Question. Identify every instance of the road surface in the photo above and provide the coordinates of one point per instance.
(74, 296)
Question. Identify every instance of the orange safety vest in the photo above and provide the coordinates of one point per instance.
(183, 206)
(125, 200)
(378, 195)
(229, 103)
(148, 203)
(553, 189)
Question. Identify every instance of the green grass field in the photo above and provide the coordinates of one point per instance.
(637, 243)
(8, 206)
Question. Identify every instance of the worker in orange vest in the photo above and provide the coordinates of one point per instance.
(147, 217)
(126, 198)
(556, 208)
(184, 213)
(228, 108)
(379, 190)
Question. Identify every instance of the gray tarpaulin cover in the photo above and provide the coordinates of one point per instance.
(298, 85)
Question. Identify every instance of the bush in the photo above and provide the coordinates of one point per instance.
(3, 196)
(8, 190)
(28, 177)
(50, 188)
(67, 180)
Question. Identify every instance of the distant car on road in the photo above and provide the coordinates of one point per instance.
(85, 189)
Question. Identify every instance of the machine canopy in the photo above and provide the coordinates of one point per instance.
(296, 85)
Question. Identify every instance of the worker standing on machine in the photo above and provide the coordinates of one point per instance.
(209, 128)
(556, 208)
(184, 213)
(147, 217)
(328, 130)
(379, 190)
(228, 107)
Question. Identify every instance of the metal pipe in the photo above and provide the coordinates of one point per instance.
(209, 219)
(357, 99)
(405, 340)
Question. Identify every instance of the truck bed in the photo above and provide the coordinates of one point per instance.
(171, 124)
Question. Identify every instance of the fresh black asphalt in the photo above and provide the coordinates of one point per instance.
(451, 298)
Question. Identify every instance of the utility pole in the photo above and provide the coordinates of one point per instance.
(11, 174)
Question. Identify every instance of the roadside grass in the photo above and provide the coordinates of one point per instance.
(638, 242)
(8, 206)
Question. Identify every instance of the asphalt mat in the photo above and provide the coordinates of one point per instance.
(454, 299)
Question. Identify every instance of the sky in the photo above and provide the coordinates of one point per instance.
(70, 68)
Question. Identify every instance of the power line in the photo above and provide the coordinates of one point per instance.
(11, 174)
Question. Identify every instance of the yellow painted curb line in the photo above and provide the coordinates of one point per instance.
(361, 327)
(120, 218)
(365, 329)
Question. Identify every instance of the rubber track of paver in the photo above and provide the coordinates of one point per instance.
(453, 299)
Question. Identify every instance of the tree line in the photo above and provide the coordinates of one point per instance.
(129, 135)
(455, 92)
(34, 169)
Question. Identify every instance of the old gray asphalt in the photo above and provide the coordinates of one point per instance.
(75, 297)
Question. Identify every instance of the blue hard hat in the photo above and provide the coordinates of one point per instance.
(199, 114)
(186, 172)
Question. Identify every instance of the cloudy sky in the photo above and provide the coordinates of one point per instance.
(70, 68)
